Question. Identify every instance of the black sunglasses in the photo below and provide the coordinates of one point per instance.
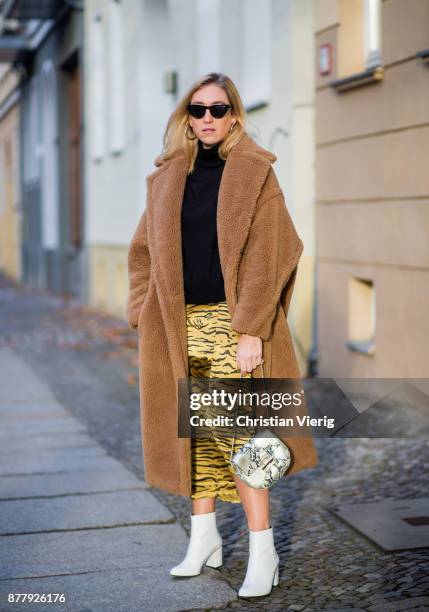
(216, 110)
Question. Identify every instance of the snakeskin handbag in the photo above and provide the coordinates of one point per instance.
(263, 460)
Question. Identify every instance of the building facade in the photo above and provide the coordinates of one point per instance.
(372, 187)
(43, 42)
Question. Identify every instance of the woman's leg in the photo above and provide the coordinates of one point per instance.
(203, 505)
(256, 504)
(263, 564)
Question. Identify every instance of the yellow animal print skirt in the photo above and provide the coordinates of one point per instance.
(212, 353)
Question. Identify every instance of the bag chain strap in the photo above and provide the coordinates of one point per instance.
(235, 424)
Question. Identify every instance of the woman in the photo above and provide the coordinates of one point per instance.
(212, 265)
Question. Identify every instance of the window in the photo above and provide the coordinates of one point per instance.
(361, 316)
(116, 77)
(208, 36)
(359, 38)
(372, 33)
(31, 132)
(48, 157)
(97, 87)
(256, 53)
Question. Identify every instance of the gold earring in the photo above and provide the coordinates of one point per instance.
(231, 127)
(186, 133)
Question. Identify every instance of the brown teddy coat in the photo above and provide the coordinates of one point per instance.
(259, 250)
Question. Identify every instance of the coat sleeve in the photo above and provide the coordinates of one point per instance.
(138, 271)
(268, 266)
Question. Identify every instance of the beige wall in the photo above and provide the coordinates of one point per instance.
(10, 214)
(110, 279)
(372, 192)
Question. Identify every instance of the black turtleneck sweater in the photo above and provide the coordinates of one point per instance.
(202, 274)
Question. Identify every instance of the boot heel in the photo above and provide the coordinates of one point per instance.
(215, 559)
(276, 577)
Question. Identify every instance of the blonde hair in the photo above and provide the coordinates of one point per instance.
(174, 136)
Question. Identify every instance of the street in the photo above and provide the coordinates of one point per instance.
(74, 501)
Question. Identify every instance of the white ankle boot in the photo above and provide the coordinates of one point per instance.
(204, 548)
(263, 567)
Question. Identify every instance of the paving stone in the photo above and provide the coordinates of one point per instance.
(47, 459)
(69, 483)
(18, 444)
(16, 411)
(388, 522)
(125, 590)
(81, 512)
(74, 463)
(90, 550)
(61, 426)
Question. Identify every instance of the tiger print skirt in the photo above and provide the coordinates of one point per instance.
(212, 348)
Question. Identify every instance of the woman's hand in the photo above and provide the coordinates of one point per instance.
(249, 353)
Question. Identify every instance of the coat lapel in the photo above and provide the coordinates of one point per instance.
(242, 180)
(243, 176)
